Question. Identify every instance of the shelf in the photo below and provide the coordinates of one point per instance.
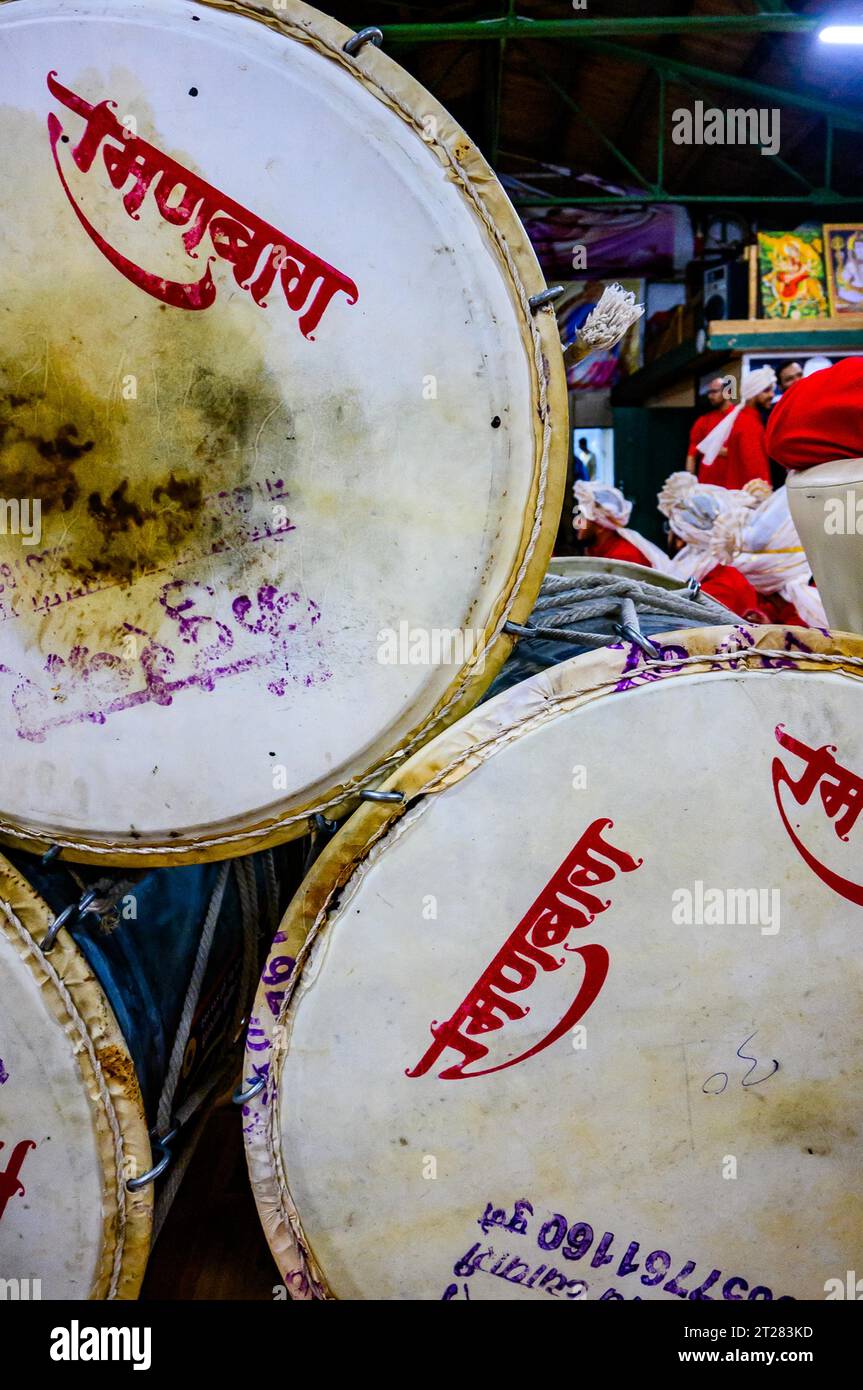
(746, 335)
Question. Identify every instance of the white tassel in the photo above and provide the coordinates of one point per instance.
(607, 323)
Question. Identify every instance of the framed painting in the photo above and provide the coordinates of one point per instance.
(843, 245)
(791, 274)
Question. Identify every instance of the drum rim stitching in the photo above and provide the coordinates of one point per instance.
(542, 389)
(80, 1027)
(396, 822)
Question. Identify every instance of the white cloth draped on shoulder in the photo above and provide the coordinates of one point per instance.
(764, 545)
(751, 386)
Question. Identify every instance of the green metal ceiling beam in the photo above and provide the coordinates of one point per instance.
(512, 26)
(778, 96)
(774, 158)
(577, 110)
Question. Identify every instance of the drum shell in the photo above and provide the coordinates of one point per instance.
(836, 555)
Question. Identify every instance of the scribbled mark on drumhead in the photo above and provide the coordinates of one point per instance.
(4, 1075)
(161, 449)
(143, 456)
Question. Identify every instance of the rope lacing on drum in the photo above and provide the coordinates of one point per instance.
(568, 600)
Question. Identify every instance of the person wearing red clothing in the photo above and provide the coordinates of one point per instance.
(717, 407)
(606, 544)
(743, 549)
(744, 457)
(780, 611)
(729, 587)
(600, 517)
(734, 452)
(692, 511)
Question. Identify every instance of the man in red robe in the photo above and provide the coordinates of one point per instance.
(718, 406)
(729, 587)
(734, 452)
(692, 511)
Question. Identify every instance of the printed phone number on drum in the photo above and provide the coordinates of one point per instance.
(573, 1242)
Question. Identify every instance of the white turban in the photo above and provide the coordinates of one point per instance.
(722, 526)
(816, 364)
(693, 507)
(751, 386)
(608, 507)
(693, 510)
(603, 504)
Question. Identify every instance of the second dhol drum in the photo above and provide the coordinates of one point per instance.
(121, 1003)
(578, 1015)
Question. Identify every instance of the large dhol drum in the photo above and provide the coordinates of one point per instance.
(273, 397)
(622, 902)
(121, 1003)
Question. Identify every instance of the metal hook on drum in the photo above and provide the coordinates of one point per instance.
(544, 298)
(361, 38)
(634, 634)
(243, 1096)
(382, 796)
(47, 943)
(159, 1146)
(79, 909)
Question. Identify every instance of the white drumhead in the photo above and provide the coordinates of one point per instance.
(72, 1127)
(267, 364)
(667, 1097)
